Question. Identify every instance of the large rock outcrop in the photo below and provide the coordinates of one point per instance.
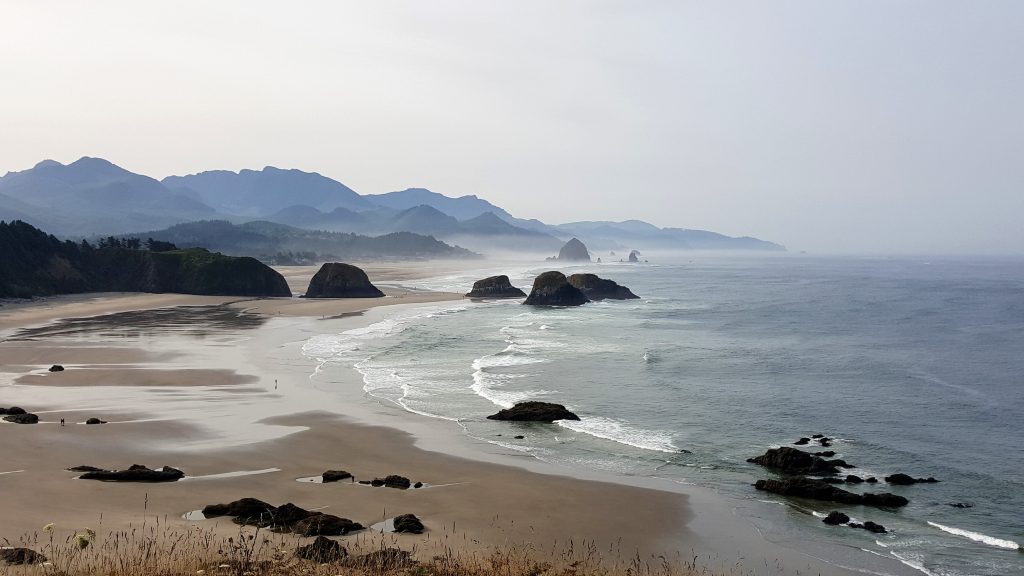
(22, 418)
(553, 289)
(408, 523)
(136, 473)
(574, 251)
(819, 490)
(901, 479)
(339, 280)
(793, 461)
(634, 256)
(284, 518)
(495, 287)
(534, 412)
(597, 288)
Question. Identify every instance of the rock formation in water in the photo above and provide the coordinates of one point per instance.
(793, 461)
(819, 490)
(553, 289)
(574, 251)
(597, 288)
(634, 256)
(495, 287)
(534, 412)
(338, 280)
(901, 479)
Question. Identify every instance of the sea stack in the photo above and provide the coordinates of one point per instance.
(597, 288)
(634, 256)
(338, 280)
(495, 287)
(574, 251)
(553, 289)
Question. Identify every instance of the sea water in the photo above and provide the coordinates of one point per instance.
(910, 365)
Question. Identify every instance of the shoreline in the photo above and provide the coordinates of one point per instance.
(700, 522)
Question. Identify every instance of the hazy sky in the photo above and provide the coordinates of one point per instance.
(861, 126)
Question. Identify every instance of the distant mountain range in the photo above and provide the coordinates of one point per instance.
(92, 196)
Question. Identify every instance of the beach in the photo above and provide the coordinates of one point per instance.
(219, 388)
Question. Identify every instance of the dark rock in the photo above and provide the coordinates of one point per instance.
(901, 479)
(820, 490)
(802, 441)
(534, 412)
(553, 289)
(16, 410)
(408, 523)
(961, 505)
(597, 288)
(836, 518)
(495, 287)
(832, 480)
(418, 485)
(384, 560)
(335, 475)
(369, 482)
(853, 479)
(872, 480)
(574, 251)
(22, 419)
(634, 256)
(825, 454)
(95, 421)
(322, 550)
(325, 525)
(520, 437)
(793, 461)
(136, 473)
(56, 368)
(396, 481)
(86, 469)
(19, 556)
(248, 510)
(338, 280)
(840, 463)
(874, 528)
(287, 515)
(377, 482)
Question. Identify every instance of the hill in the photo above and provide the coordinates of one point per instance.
(282, 244)
(38, 264)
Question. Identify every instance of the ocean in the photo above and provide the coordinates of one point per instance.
(911, 365)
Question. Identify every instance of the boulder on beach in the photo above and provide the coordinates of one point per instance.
(793, 461)
(574, 251)
(553, 289)
(335, 476)
(819, 490)
(836, 518)
(92, 421)
(20, 556)
(244, 508)
(56, 368)
(322, 551)
(22, 418)
(339, 280)
(318, 524)
(408, 523)
(396, 481)
(597, 288)
(534, 412)
(901, 479)
(495, 287)
(136, 473)
(85, 469)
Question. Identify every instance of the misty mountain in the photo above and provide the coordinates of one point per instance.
(91, 195)
(280, 244)
(309, 217)
(461, 208)
(260, 193)
(637, 234)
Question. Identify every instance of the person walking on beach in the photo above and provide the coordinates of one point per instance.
(61, 421)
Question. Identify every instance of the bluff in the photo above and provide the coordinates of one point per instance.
(38, 264)
(339, 280)
(597, 288)
(553, 289)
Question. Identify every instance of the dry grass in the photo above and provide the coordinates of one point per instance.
(158, 549)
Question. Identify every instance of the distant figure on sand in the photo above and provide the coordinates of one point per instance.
(61, 421)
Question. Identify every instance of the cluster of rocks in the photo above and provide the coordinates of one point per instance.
(836, 518)
(813, 489)
(339, 280)
(825, 441)
(135, 473)
(555, 289)
(392, 481)
(21, 556)
(284, 518)
(792, 461)
(18, 415)
(534, 412)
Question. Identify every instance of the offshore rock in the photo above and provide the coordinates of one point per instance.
(574, 251)
(901, 479)
(597, 288)
(553, 289)
(534, 412)
(339, 280)
(495, 287)
(836, 518)
(819, 490)
(793, 461)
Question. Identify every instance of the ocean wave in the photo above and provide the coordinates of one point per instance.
(618, 431)
(978, 537)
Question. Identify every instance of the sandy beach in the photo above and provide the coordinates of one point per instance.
(218, 388)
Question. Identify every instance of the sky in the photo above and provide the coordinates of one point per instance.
(862, 126)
